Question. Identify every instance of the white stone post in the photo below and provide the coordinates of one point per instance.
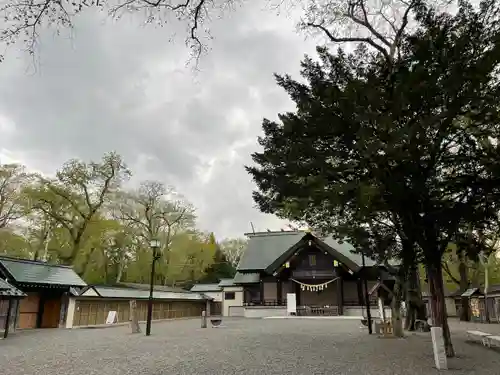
(438, 348)
(203, 319)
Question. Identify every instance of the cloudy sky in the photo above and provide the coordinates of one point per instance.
(125, 87)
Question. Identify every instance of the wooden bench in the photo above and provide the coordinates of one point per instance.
(489, 340)
(483, 336)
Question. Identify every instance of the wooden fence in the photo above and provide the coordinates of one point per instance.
(95, 311)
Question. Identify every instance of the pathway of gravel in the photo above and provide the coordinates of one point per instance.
(243, 347)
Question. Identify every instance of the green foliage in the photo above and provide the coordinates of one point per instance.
(386, 153)
(221, 268)
(13, 244)
(73, 199)
(84, 218)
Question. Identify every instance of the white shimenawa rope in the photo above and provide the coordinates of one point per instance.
(314, 287)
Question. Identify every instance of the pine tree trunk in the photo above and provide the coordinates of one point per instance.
(414, 303)
(464, 284)
(397, 322)
(438, 310)
(410, 314)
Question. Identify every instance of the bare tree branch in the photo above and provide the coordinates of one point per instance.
(23, 18)
(447, 270)
(364, 21)
(12, 180)
(350, 39)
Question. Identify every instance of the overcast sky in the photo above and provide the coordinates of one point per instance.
(122, 86)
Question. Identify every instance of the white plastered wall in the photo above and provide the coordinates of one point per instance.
(237, 301)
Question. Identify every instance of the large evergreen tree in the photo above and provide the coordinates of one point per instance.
(405, 152)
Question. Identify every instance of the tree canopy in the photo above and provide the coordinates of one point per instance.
(85, 217)
(386, 152)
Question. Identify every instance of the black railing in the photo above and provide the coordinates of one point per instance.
(317, 311)
(266, 302)
(275, 302)
(358, 303)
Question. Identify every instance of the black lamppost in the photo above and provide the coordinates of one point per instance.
(367, 296)
(155, 245)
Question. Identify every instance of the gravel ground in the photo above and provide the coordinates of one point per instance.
(260, 346)
(462, 327)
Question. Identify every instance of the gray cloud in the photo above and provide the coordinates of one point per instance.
(118, 86)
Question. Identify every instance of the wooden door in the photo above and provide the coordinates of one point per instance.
(51, 313)
(28, 311)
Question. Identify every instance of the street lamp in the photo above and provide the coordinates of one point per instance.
(155, 245)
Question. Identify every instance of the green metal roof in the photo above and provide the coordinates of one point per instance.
(246, 278)
(226, 282)
(264, 248)
(347, 249)
(343, 257)
(130, 293)
(470, 292)
(7, 290)
(159, 288)
(33, 272)
(205, 288)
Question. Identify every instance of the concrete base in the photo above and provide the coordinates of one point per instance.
(99, 326)
(358, 311)
(340, 317)
(265, 311)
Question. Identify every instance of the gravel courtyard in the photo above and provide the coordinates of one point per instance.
(264, 347)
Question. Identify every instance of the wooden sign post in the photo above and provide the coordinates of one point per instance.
(134, 320)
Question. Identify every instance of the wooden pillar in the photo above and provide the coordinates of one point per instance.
(340, 295)
(279, 292)
(262, 292)
(7, 320)
(41, 309)
(360, 292)
(134, 318)
(207, 307)
(63, 310)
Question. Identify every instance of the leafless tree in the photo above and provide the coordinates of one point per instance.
(379, 23)
(24, 19)
(12, 181)
(233, 249)
(155, 210)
